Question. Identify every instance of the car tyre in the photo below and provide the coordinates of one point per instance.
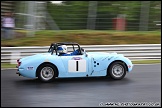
(46, 73)
(117, 71)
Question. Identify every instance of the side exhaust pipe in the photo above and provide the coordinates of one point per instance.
(18, 73)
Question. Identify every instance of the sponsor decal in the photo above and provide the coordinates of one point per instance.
(30, 68)
(76, 58)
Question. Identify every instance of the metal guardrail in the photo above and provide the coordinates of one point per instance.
(133, 51)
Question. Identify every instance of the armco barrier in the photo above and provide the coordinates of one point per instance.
(133, 51)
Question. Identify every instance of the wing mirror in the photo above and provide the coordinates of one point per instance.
(84, 52)
(86, 55)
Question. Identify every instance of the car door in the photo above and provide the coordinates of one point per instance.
(76, 66)
(99, 66)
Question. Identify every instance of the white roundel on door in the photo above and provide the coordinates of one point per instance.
(77, 65)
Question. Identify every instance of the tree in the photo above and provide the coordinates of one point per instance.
(73, 14)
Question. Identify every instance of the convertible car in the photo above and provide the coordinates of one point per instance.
(50, 65)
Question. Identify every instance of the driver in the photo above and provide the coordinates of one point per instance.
(62, 50)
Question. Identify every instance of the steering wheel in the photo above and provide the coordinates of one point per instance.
(82, 51)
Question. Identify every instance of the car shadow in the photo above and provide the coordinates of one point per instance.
(75, 80)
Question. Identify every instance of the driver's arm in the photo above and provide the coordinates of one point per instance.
(76, 52)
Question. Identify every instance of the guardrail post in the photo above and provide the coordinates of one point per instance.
(14, 57)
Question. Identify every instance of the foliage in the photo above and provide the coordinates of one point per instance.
(74, 14)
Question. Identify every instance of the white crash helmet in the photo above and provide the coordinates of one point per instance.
(62, 49)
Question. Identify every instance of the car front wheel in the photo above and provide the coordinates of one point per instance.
(117, 70)
(46, 73)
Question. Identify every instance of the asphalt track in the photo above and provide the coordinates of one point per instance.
(142, 85)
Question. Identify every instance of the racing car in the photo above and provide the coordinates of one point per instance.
(75, 63)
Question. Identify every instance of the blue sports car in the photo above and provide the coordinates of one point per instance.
(59, 62)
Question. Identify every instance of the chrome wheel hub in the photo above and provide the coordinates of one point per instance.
(47, 73)
(117, 70)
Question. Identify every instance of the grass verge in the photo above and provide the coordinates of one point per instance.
(84, 37)
(146, 61)
(8, 65)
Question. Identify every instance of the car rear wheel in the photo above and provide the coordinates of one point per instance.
(117, 70)
(46, 73)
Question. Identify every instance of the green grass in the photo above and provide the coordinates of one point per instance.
(84, 37)
(146, 61)
(7, 65)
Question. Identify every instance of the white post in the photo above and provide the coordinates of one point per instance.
(92, 14)
(144, 16)
(31, 18)
(14, 57)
